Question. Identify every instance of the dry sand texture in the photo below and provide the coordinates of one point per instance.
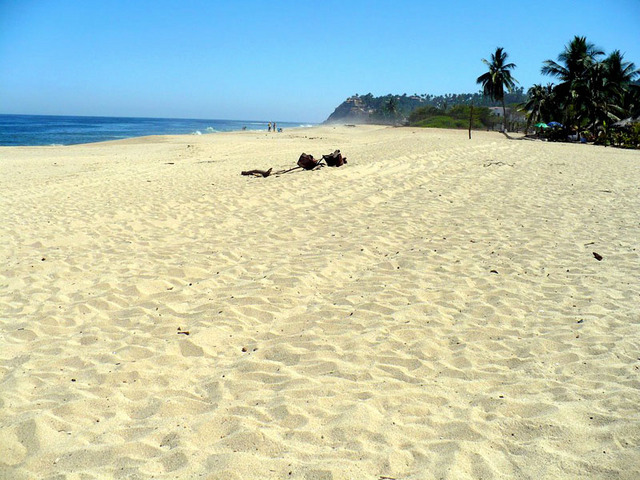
(432, 310)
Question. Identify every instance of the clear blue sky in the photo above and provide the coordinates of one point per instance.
(279, 59)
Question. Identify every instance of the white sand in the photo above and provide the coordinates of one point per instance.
(432, 310)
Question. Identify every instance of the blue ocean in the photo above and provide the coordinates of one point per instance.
(26, 130)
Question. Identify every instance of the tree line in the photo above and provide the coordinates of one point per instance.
(398, 108)
(593, 93)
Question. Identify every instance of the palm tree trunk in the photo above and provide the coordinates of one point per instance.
(504, 114)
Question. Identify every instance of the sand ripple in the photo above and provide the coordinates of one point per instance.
(432, 310)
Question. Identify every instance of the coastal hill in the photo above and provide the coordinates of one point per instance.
(370, 109)
(393, 108)
(353, 110)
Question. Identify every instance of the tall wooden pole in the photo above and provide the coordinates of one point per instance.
(470, 119)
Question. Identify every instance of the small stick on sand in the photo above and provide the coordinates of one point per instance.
(287, 171)
(258, 173)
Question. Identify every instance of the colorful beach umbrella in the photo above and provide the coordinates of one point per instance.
(554, 124)
(541, 125)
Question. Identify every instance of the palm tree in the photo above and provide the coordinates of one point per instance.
(541, 104)
(391, 108)
(497, 78)
(573, 69)
(609, 85)
(388, 110)
(600, 97)
(631, 102)
(620, 79)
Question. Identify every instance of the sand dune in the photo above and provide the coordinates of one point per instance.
(432, 310)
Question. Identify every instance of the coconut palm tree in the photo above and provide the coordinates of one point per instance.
(497, 78)
(391, 108)
(631, 102)
(609, 85)
(601, 98)
(573, 69)
(620, 79)
(541, 104)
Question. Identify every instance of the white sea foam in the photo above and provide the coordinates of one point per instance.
(197, 132)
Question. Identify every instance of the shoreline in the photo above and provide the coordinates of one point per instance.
(57, 130)
(433, 308)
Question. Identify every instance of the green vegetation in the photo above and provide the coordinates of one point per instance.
(396, 109)
(455, 117)
(625, 137)
(597, 98)
(389, 110)
(421, 110)
(514, 97)
(498, 78)
(593, 94)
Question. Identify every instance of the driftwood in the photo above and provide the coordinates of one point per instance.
(258, 173)
(280, 172)
(306, 162)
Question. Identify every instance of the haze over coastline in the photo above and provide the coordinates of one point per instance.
(294, 61)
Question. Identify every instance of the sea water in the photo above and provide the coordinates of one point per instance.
(25, 130)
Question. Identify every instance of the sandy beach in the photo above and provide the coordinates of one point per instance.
(432, 310)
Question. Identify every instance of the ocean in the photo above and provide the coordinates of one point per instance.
(34, 130)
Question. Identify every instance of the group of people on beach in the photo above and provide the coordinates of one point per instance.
(272, 126)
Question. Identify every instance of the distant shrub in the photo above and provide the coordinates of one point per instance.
(556, 134)
(626, 138)
(422, 113)
(441, 121)
(456, 117)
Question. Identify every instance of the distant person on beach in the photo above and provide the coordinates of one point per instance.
(274, 127)
(269, 127)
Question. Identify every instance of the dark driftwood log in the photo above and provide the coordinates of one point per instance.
(306, 162)
(258, 173)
